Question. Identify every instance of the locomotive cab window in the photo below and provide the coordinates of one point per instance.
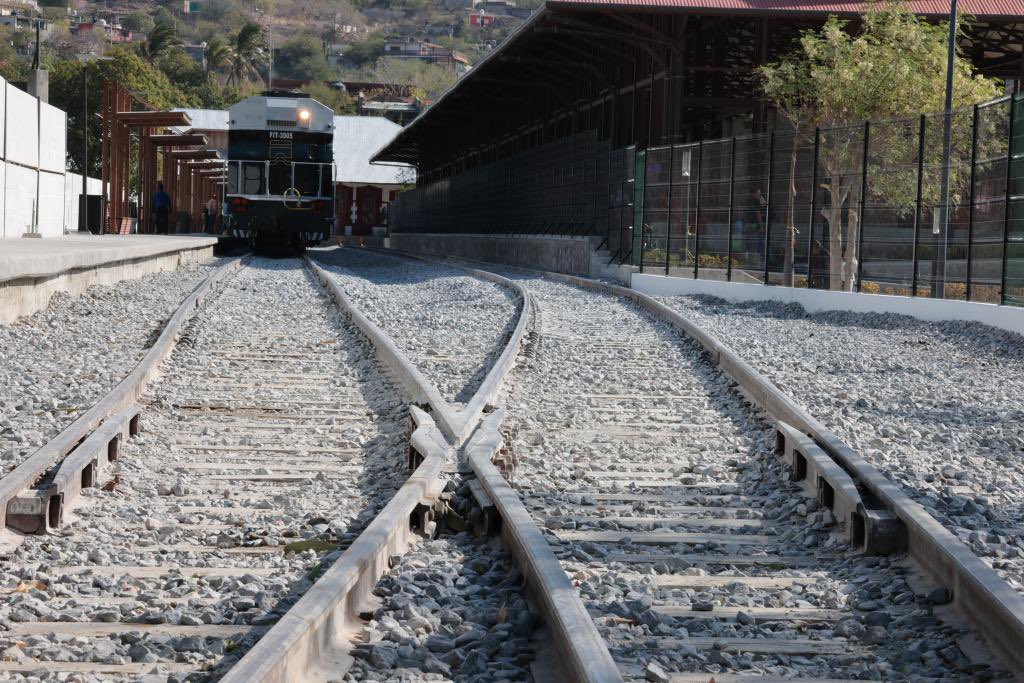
(307, 179)
(280, 177)
(252, 178)
(232, 178)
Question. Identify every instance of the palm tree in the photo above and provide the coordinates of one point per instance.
(219, 53)
(162, 38)
(246, 54)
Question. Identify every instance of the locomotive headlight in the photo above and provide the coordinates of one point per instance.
(304, 115)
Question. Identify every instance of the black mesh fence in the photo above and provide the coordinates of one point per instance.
(877, 207)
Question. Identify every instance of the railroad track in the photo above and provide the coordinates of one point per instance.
(747, 544)
(695, 554)
(686, 533)
(270, 440)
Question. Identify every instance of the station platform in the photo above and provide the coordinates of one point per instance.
(33, 270)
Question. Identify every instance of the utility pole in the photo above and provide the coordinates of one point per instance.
(83, 200)
(942, 237)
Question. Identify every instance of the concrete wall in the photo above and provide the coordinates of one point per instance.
(33, 156)
(72, 191)
(814, 300)
(559, 254)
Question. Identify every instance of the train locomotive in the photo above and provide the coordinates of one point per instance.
(280, 171)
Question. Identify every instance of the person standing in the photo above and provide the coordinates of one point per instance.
(211, 214)
(161, 208)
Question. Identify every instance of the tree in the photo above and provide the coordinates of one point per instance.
(302, 57)
(893, 67)
(12, 67)
(246, 54)
(218, 54)
(138, 22)
(161, 39)
(126, 67)
(338, 100)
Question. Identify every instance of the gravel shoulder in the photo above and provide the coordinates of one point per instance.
(450, 324)
(58, 362)
(936, 406)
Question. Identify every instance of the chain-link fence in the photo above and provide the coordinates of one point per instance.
(874, 207)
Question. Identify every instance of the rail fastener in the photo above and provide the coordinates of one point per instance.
(869, 528)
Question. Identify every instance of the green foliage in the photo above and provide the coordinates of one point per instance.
(894, 67)
(247, 53)
(138, 22)
(12, 67)
(218, 54)
(366, 52)
(160, 41)
(126, 67)
(302, 57)
(341, 102)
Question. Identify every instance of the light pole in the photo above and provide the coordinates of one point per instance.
(942, 239)
(83, 200)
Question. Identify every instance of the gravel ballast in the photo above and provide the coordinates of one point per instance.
(271, 438)
(452, 610)
(57, 362)
(935, 406)
(451, 325)
(623, 432)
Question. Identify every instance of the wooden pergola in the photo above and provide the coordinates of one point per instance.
(135, 138)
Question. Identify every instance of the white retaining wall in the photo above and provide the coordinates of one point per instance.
(36, 196)
(813, 300)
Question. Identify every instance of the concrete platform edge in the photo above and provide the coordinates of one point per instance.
(28, 289)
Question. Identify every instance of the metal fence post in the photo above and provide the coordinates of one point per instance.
(732, 192)
(863, 201)
(970, 208)
(668, 222)
(814, 204)
(917, 204)
(768, 203)
(1006, 212)
(696, 220)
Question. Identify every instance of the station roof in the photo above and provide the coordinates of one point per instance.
(978, 8)
(496, 79)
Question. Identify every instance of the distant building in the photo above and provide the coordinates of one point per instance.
(112, 32)
(24, 21)
(196, 52)
(501, 8)
(481, 20)
(414, 48)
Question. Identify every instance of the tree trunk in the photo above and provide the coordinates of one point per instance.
(852, 242)
(787, 266)
(834, 216)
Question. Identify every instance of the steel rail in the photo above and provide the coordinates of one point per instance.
(456, 422)
(978, 592)
(311, 641)
(81, 445)
(583, 655)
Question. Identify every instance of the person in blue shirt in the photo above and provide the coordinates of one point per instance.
(161, 208)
